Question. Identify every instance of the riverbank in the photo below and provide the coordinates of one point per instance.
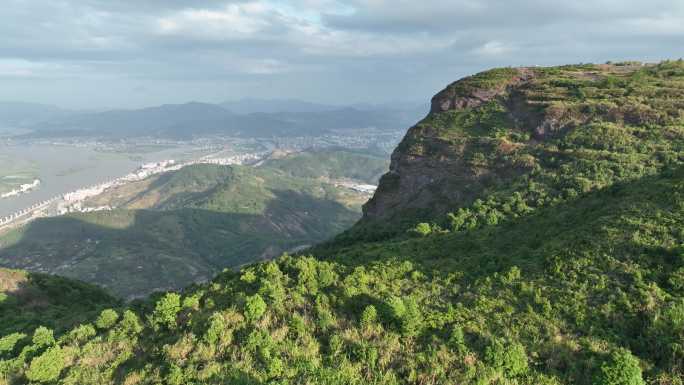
(73, 201)
(22, 189)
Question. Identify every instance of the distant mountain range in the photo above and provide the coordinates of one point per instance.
(250, 106)
(13, 114)
(246, 118)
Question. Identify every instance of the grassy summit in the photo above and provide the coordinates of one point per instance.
(566, 270)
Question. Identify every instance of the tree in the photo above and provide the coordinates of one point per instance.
(8, 343)
(107, 319)
(166, 310)
(47, 366)
(43, 337)
(621, 369)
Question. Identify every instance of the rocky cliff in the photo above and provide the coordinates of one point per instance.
(536, 126)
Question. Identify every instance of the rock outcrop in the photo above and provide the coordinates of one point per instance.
(489, 129)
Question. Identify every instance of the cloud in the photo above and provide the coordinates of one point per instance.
(361, 49)
(235, 21)
(493, 48)
(451, 15)
(20, 68)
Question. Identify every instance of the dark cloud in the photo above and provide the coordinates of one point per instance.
(69, 51)
(437, 16)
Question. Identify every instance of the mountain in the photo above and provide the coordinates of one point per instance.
(332, 164)
(539, 134)
(529, 232)
(250, 106)
(176, 119)
(186, 121)
(174, 229)
(21, 114)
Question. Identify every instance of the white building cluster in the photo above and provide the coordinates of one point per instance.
(73, 201)
(362, 188)
(237, 159)
(27, 211)
(24, 188)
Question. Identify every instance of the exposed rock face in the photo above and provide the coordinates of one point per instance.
(436, 179)
(455, 154)
(454, 98)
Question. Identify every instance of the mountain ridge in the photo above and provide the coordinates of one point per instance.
(513, 122)
(196, 119)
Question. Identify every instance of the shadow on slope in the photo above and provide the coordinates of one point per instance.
(610, 262)
(135, 252)
(610, 221)
(28, 300)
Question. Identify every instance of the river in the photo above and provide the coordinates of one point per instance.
(64, 168)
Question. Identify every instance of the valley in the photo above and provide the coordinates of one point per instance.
(175, 223)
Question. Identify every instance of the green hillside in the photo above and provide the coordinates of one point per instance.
(183, 227)
(333, 164)
(29, 300)
(563, 296)
(555, 256)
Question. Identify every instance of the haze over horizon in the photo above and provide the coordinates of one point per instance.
(96, 54)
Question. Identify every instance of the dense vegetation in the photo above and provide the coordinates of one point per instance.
(333, 164)
(565, 266)
(29, 300)
(182, 227)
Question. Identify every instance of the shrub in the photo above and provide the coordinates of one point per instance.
(215, 329)
(368, 317)
(510, 358)
(175, 376)
(325, 318)
(255, 307)
(621, 369)
(457, 339)
(191, 302)
(82, 333)
(297, 325)
(421, 230)
(335, 344)
(130, 324)
(107, 319)
(407, 314)
(47, 366)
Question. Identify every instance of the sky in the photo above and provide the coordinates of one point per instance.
(133, 53)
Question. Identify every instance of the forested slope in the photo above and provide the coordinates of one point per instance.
(556, 256)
